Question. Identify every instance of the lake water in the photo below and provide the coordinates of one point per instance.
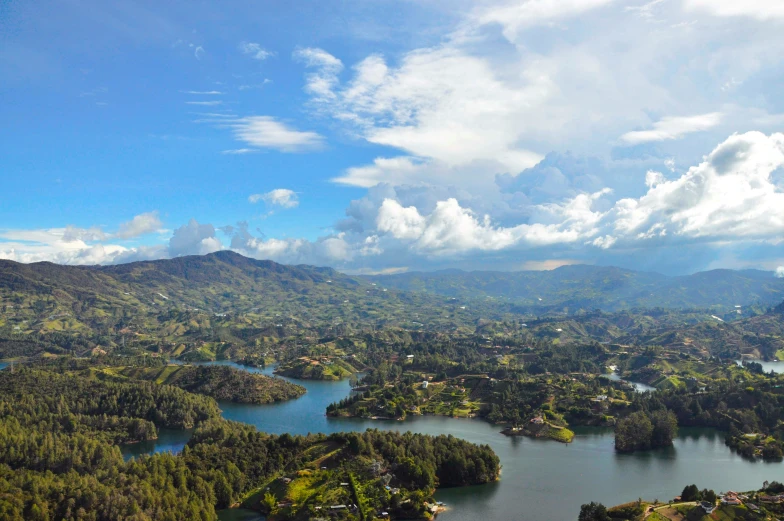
(776, 367)
(541, 480)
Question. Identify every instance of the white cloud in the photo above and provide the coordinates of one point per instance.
(198, 52)
(439, 103)
(759, 9)
(282, 197)
(211, 103)
(140, 225)
(394, 170)
(451, 229)
(194, 239)
(517, 16)
(255, 51)
(267, 132)
(673, 128)
(732, 198)
(780, 272)
(729, 195)
(324, 78)
(579, 73)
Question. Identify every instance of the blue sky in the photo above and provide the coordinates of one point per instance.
(381, 136)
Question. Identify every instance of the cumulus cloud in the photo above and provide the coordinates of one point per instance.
(194, 239)
(140, 225)
(282, 197)
(512, 81)
(255, 51)
(451, 229)
(267, 132)
(329, 250)
(729, 195)
(780, 272)
(673, 128)
(68, 246)
(733, 199)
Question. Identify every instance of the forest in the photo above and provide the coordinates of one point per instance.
(60, 459)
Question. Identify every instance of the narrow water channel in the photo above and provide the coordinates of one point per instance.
(542, 480)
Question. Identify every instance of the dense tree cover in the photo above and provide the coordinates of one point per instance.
(741, 405)
(160, 488)
(593, 512)
(692, 493)
(642, 430)
(426, 462)
(163, 405)
(59, 458)
(219, 382)
(230, 384)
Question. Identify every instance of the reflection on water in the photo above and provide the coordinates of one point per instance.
(169, 440)
(541, 479)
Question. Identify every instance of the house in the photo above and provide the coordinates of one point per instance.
(752, 507)
(425, 384)
(538, 420)
(708, 507)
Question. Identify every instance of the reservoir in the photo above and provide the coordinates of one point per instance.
(541, 480)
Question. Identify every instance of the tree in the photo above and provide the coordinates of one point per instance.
(270, 502)
(593, 512)
(690, 493)
(633, 433)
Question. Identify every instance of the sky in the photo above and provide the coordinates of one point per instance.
(380, 136)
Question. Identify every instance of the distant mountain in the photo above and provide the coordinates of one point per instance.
(598, 287)
(222, 296)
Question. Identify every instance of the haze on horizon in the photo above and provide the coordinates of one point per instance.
(381, 136)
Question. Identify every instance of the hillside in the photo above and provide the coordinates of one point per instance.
(598, 287)
(201, 303)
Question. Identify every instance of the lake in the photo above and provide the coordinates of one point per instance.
(776, 367)
(541, 479)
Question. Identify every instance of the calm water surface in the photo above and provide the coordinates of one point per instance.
(541, 480)
(776, 367)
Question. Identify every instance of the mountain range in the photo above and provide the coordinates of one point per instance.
(598, 287)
